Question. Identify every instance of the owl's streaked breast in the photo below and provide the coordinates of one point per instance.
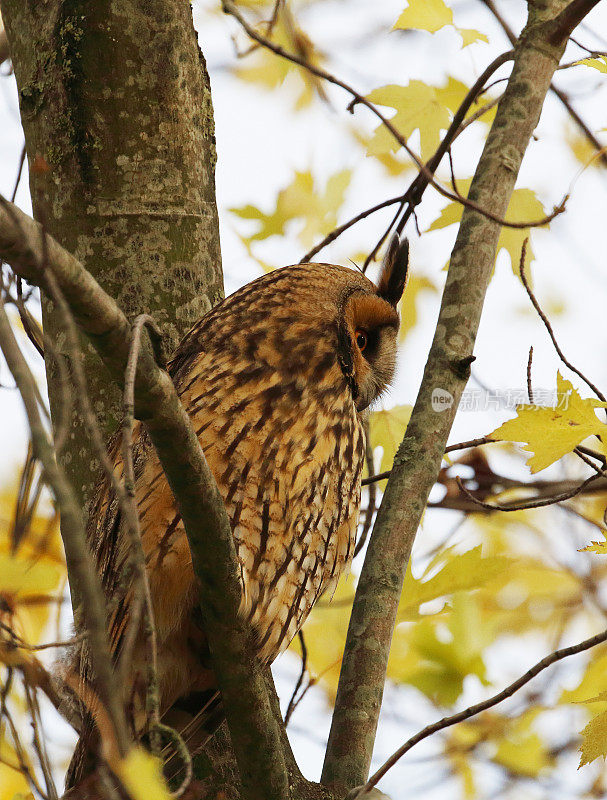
(287, 457)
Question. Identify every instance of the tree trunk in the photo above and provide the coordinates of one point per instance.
(115, 99)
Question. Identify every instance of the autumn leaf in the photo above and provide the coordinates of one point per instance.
(422, 107)
(417, 285)
(524, 206)
(600, 63)
(302, 202)
(423, 657)
(431, 16)
(459, 571)
(594, 738)
(141, 774)
(591, 684)
(262, 67)
(551, 433)
(418, 107)
(596, 547)
(521, 750)
(386, 430)
(32, 576)
(13, 783)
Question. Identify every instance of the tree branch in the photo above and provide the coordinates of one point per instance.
(419, 456)
(467, 713)
(253, 729)
(554, 89)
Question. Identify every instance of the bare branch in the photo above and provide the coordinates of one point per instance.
(467, 713)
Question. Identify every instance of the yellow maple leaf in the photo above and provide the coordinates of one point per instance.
(431, 16)
(425, 15)
(594, 739)
(458, 572)
(418, 107)
(303, 202)
(524, 207)
(551, 433)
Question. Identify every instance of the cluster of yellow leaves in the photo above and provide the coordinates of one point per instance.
(524, 207)
(462, 603)
(431, 16)
(551, 433)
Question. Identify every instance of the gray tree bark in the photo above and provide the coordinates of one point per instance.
(115, 98)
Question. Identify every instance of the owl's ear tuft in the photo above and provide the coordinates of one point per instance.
(394, 270)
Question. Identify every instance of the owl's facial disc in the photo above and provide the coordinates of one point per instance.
(370, 326)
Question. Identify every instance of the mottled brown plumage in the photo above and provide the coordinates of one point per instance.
(275, 380)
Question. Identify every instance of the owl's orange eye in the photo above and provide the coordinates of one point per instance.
(361, 339)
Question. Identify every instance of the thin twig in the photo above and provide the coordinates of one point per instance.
(23, 766)
(449, 449)
(331, 237)
(471, 711)
(529, 384)
(548, 501)
(548, 327)
(18, 641)
(293, 702)
(39, 741)
(19, 173)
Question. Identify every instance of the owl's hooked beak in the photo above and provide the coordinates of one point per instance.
(394, 270)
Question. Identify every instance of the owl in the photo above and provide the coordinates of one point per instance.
(276, 380)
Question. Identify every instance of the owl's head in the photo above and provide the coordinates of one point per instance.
(368, 327)
(315, 332)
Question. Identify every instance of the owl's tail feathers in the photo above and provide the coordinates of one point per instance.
(195, 717)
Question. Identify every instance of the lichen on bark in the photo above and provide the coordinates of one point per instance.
(115, 98)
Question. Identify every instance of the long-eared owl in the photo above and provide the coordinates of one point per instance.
(275, 379)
